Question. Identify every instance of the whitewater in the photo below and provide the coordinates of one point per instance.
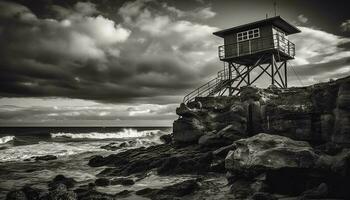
(63, 144)
(73, 147)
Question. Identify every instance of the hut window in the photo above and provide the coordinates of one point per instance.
(247, 35)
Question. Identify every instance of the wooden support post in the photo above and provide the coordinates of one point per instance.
(272, 69)
(285, 75)
(279, 75)
(248, 76)
(239, 73)
(230, 78)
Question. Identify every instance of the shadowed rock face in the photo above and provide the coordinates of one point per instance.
(264, 151)
(318, 114)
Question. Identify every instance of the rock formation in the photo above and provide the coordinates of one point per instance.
(263, 144)
(317, 114)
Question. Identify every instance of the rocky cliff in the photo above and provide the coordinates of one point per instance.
(264, 144)
(317, 114)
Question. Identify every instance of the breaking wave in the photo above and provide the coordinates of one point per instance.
(125, 133)
(6, 139)
(46, 148)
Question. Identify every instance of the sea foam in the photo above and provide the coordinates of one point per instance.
(125, 133)
(6, 139)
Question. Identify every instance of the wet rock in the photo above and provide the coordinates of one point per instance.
(264, 151)
(61, 179)
(60, 192)
(167, 139)
(112, 146)
(30, 170)
(45, 158)
(97, 161)
(180, 189)
(16, 195)
(124, 193)
(177, 190)
(167, 159)
(122, 181)
(102, 182)
(146, 192)
(28, 193)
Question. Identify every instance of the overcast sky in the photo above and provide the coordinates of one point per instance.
(127, 63)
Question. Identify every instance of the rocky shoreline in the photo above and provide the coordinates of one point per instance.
(262, 144)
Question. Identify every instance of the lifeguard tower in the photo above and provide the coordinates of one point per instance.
(253, 49)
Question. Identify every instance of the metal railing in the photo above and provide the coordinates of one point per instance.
(256, 45)
(211, 87)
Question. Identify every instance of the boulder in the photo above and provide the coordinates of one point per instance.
(61, 179)
(187, 130)
(124, 193)
(102, 182)
(185, 111)
(60, 192)
(97, 161)
(122, 181)
(46, 158)
(264, 151)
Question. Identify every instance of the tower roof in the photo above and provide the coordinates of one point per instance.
(276, 21)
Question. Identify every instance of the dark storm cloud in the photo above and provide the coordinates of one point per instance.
(146, 55)
(126, 51)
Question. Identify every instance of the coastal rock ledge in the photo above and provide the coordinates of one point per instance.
(264, 144)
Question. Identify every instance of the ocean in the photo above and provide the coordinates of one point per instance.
(73, 146)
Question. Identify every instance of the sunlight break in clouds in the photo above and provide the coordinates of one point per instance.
(316, 46)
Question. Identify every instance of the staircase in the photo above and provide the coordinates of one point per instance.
(214, 86)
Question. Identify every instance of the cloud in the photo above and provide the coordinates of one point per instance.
(205, 13)
(345, 26)
(199, 13)
(320, 56)
(147, 52)
(317, 46)
(86, 8)
(303, 19)
(149, 56)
